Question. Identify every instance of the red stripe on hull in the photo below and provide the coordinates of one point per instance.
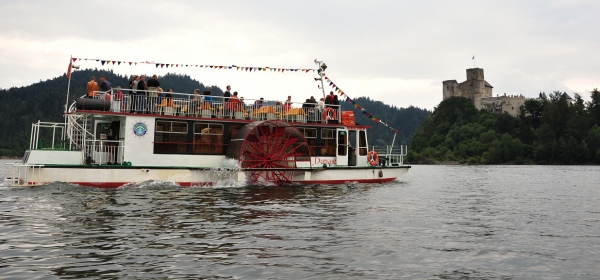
(113, 185)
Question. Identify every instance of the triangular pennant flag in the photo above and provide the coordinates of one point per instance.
(136, 63)
(176, 65)
(103, 61)
(220, 67)
(157, 65)
(113, 62)
(171, 65)
(167, 65)
(162, 65)
(119, 62)
(108, 61)
(130, 63)
(74, 59)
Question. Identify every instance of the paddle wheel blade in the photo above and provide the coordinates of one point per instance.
(271, 147)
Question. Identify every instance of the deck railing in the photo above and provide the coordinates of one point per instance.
(203, 106)
(391, 156)
(104, 152)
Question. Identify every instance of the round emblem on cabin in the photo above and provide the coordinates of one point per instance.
(140, 129)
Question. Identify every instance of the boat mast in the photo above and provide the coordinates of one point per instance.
(68, 87)
(67, 99)
(321, 72)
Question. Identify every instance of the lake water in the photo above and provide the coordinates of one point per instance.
(436, 222)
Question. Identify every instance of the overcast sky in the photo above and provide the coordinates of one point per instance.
(398, 52)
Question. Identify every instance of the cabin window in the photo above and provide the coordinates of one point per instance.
(170, 137)
(234, 128)
(310, 134)
(328, 142)
(362, 143)
(342, 143)
(208, 138)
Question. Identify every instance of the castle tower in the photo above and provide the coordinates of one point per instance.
(475, 74)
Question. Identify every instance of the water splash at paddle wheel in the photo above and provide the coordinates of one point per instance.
(270, 151)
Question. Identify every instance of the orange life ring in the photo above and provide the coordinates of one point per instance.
(326, 113)
(372, 158)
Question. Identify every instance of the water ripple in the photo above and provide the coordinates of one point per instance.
(437, 222)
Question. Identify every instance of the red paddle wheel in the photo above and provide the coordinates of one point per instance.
(269, 151)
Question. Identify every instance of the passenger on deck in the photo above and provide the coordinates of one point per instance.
(335, 102)
(329, 99)
(207, 97)
(119, 94)
(258, 103)
(133, 87)
(278, 106)
(227, 94)
(140, 97)
(232, 105)
(159, 98)
(288, 104)
(116, 104)
(104, 84)
(169, 98)
(197, 99)
(153, 86)
(92, 87)
(321, 104)
(307, 105)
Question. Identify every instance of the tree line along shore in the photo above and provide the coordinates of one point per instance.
(551, 129)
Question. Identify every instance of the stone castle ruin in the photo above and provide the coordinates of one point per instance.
(476, 89)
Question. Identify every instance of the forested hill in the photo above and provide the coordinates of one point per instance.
(550, 130)
(45, 101)
(405, 120)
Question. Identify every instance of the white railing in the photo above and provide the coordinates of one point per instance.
(206, 106)
(104, 152)
(24, 174)
(34, 138)
(391, 155)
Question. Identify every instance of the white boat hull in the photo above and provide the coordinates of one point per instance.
(114, 177)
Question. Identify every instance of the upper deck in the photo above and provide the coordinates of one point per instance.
(198, 106)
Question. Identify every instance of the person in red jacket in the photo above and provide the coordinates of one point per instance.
(232, 105)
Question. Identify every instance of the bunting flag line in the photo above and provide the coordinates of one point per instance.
(363, 111)
(177, 65)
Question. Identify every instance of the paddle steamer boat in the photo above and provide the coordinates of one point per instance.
(144, 137)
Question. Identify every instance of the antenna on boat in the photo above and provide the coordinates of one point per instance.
(68, 86)
(321, 72)
(71, 66)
